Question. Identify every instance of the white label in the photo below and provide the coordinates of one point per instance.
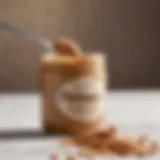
(82, 100)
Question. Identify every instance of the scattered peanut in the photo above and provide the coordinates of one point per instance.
(108, 142)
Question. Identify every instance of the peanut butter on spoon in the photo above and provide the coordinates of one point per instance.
(67, 47)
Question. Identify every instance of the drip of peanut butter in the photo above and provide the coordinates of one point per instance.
(67, 47)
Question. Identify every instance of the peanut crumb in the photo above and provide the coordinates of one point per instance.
(71, 157)
(154, 147)
(67, 141)
(142, 140)
(54, 156)
(87, 152)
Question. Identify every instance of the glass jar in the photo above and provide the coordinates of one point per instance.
(73, 93)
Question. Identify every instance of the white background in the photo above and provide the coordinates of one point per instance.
(132, 111)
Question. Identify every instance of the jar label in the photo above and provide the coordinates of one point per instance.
(82, 99)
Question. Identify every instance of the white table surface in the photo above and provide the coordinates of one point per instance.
(133, 111)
